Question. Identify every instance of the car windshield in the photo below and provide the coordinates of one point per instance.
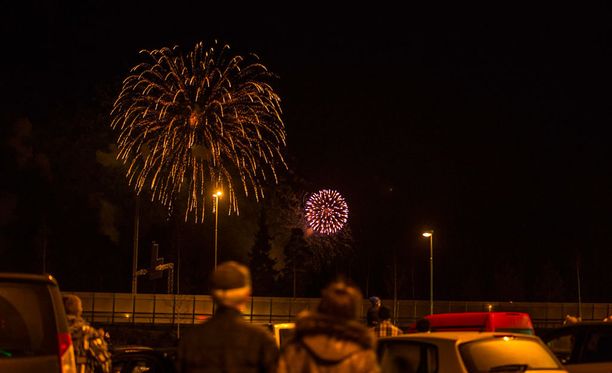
(508, 353)
(26, 320)
(285, 334)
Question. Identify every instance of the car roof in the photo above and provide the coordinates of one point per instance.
(474, 314)
(583, 325)
(28, 277)
(587, 323)
(478, 318)
(459, 336)
(132, 348)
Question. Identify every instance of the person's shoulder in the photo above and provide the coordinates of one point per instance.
(79, 324)
(258, 331)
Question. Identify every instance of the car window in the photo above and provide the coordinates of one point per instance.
(484, 355)
(27, 321)
(562, 346)
(285, 335)
(283, 332)
(407, 356)
(598, 347)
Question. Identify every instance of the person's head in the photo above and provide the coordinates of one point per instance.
(231, 285)
(375, 301)
(569, 319)
(384, 313)
(423, 325)
(73, 305)
(340, 299)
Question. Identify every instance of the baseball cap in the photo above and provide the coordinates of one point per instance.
(231, 283)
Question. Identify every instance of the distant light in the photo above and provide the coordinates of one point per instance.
(218, 194)
(490, 307)
(126, 315)
(507, 338)
(427, 234)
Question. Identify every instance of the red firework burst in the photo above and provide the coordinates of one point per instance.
(326, 211)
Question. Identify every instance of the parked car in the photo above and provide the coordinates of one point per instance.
(140, 359)
(508, 322)
(34, 334)
(465, 352)
(582, 347)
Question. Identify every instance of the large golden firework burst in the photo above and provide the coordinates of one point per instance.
(193, 123)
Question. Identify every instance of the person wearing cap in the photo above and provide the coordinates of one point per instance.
(226, 342)
(331, 339)
(372, 315)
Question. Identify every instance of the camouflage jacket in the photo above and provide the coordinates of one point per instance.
(90, 349)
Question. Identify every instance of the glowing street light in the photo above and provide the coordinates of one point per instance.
(216, 197)
(429, 234)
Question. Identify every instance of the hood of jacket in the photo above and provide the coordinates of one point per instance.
(331, 339)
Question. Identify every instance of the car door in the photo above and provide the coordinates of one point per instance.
(595, 353)
(582, 349)
(565, 344)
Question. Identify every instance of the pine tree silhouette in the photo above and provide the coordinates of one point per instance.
(298, 260)
(260, 262)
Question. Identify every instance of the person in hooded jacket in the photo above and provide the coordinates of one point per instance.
(331, 339)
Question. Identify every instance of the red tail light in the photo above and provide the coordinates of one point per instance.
(66, 353)
(64, 342)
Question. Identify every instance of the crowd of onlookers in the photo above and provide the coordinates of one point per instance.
(330, 339)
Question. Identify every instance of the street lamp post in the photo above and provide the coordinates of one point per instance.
(429, 235)
(216, 197)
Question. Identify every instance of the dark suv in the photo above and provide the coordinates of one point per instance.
(582, 347)
(34, 333)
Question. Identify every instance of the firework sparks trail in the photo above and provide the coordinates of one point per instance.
(326, 211)
(188, 124)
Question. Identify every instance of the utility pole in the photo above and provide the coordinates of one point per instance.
(135, 248)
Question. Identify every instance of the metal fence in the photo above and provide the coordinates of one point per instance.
(169, 309)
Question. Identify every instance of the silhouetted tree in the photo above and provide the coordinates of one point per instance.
(286, 207)
(298, 261)
(260, 262)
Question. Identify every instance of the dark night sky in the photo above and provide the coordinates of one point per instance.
(489, 126)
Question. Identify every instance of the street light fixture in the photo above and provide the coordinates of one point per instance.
(216, 197)
(429, 234)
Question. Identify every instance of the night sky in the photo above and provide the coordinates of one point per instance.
(489, 126)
